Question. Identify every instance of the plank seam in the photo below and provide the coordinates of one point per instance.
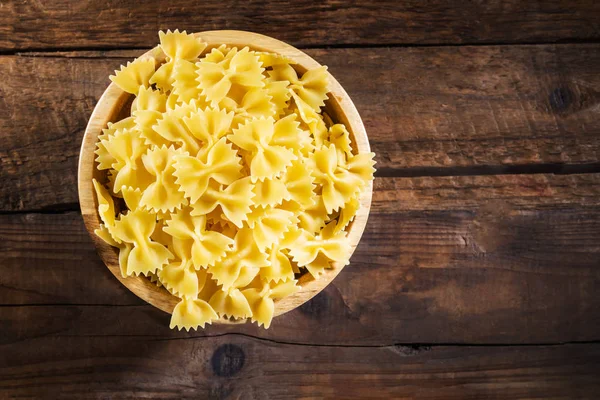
(50, 50)
(410, 172)
(404, 348)
(483, 170)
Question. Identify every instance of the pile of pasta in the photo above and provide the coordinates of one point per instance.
(227, 181)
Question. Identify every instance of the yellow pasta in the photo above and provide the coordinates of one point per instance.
(266, 158)
(245, 253)
(237, 69)
(179, 276)
(219, 164)
(261, 300)
(234, 201)
(340, 182)
(191, 314)
(135, 227)
(234, 181)
(181, 45)
(231, 303)
(206, 247)
(135, 74)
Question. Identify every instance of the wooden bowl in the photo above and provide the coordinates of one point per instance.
(113, 106)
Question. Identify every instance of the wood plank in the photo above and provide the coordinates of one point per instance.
(91, 24)
(474, 259)
(239, 367)
(517, 105)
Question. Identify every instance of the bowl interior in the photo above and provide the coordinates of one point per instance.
(115, 105)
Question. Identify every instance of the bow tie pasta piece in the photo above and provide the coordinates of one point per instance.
(347, 214)
(163, 77)
(334, 246)
(231, 303)
(261, 305)
(160, 236)
(244, 253)
(145, 120)
(314, 217)
(105, 235)
(209, 125)
(220, 164)
(254, 103)
(266, 159)
(163, 193)
(106, 209)
(111, 175)
(219, 222)
(340, 138)
(150, 105)
(269, 60)
(171, 128)
(299, 184)
(281, 268)
(269, 225)
(112, 128)
(313, 121)
(218, 54)
(270, 192)
(318, 265)
(280, 95)
(294, 190)
(124, 248)
(279, 290)
(261, 300)
(361, 165)
(234, 201)
(126, 147)
(146, 256)
(149, 99)
(104, 158)
(106, 205)
(286, 133)
(311, 88)
(216, 78)
(179, 276)
(340, 182)
(191, 314)
(208, 247)
(246, 276)
(135, 74)
(185, 85)
(181, 45)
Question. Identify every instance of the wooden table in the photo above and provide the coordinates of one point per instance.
(479, 272)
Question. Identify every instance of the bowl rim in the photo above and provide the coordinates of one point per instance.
(110, 105)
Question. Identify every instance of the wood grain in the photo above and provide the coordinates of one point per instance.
(473, 259)
(237, 367)
(92, 24)
(516, 106)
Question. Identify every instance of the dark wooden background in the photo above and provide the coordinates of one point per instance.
(479, 272)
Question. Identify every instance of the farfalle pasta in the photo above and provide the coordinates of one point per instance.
(227, 182)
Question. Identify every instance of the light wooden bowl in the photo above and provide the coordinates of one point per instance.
(113, 106)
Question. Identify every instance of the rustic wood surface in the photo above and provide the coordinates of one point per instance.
(123, 24)
(239, 367)
(479, 271)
